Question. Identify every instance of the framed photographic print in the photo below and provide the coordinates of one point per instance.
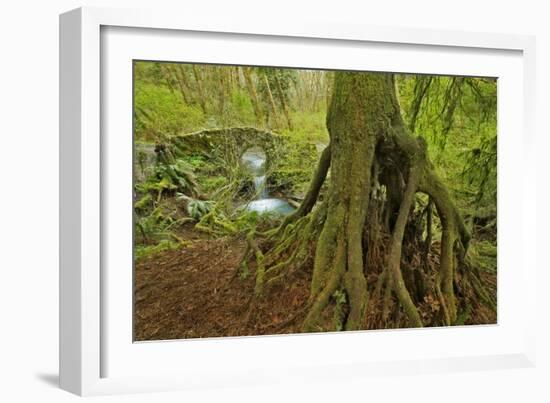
(242, 203)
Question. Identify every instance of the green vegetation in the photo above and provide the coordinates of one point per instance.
(399, 231)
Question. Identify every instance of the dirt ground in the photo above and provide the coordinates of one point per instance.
(197, 291)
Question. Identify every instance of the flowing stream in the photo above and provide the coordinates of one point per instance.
(255, 159)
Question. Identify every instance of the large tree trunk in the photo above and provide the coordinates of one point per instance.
(360, 113)
(370, 148)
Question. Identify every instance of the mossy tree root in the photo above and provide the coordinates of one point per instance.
(296, 232)
(301, 249)
(394, 255)
(312, 194)
(252, 249)
(290, 252)
(454, 230)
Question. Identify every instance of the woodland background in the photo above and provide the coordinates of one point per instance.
(188, 189)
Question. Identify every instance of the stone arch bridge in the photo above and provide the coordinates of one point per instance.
(236, 139)
(221, 141)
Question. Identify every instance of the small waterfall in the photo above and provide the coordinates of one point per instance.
(255, 159)
(260, 187)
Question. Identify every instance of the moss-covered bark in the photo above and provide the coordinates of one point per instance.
(360, 114)
(394, 254)
(314, 188)
(370, 147)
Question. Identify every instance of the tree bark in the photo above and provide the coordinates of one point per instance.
(270, 97)
(315, 184)
(247, 73)
(360, 114)
(369, 138)
(179, 74)
(202, 96)
(282, 100)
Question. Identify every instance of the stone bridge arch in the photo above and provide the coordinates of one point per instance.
(238, 139)
(212, 142)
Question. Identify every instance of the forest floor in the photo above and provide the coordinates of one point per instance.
(198, 291)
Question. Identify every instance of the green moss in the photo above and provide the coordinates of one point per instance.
(290, 180)
(212, 183)
(339, 297)
(144, 202)
(142, 252)
(483, 255)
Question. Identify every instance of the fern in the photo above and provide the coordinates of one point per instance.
(196, 209)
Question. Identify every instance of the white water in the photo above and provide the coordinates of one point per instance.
(255, 161)
(270, 205)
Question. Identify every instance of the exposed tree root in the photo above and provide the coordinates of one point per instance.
(394, 256)
(313, 192)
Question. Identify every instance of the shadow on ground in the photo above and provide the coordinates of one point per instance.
(49, 379)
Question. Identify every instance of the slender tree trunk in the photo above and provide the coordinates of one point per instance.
(270, 97)
(221, 90)
(200, 90)
(420, 90)
(251, 87)
(179, 74)
(167, 75)
(282, 100)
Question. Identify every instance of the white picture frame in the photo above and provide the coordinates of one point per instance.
(94, 339)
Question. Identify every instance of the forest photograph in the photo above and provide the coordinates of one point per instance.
(273, 200)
